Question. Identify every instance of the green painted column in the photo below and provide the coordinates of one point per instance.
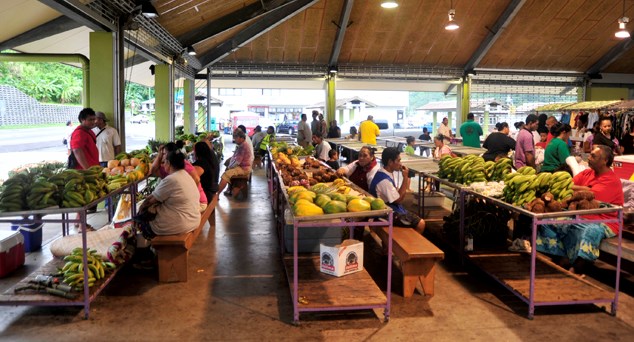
(434, 130)
(102, 65)
(340, 119)
(485, 126)
(162, 93)
(331, 98)
(188, 108)
(450, 119)
(466, 95)
(351, 114)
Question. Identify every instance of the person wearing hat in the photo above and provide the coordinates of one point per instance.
(525, 145)
(108, 140)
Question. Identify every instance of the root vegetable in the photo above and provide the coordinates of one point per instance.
(583, 204)
(553, 206)
(547, 197)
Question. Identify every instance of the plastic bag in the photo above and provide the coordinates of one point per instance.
(123, 213)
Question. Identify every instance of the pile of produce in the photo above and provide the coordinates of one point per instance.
(524, 186)
(292, 173)
(291, 150)
(44, 187)
(547, 203)
(332, 198)
(472, 168)
(73, 270)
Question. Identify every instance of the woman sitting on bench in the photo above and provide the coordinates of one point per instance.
(175, 201)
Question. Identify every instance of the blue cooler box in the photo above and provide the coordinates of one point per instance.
(32, 235)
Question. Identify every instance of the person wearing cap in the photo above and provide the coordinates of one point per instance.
(368, 131)
(108, 140)
(525, 145)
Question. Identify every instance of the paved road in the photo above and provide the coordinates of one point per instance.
(31, 145)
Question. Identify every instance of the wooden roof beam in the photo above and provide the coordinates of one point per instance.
(81, 13)
(615, 53)
(341, 32)
(494, 33)
(266, 23)
(230, 21)
(55, 26)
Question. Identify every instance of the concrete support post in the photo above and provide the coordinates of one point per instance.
(450, 119)
(102, 65)
(164, 100)
(189, 122)
(331, 98)
(485, 124)
(434, 130)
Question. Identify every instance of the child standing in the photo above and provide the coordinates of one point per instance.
(333, 159)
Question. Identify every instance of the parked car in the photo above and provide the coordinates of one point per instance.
(140, 119)
(288, 127)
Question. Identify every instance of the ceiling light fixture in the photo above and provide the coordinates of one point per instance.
(333, 69)
(389, 4)
(452, 25)
(623, 20)
(190, 51)
(148, 10)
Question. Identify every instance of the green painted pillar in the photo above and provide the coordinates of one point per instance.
(163, 109)
(188, 108)
(434, 130)
(485, 126)
(351, 114)
(340, 120)
(465, 96)
(331, 98)
(102, 65)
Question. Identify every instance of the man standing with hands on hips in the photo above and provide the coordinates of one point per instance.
(108, 140)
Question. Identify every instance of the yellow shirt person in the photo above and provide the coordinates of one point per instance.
(368, 131)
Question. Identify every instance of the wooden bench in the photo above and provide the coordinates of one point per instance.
(611, 246)
(239, 186)
(417, 257)
(173, 250)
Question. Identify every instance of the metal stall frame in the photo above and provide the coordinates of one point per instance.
(89, 294)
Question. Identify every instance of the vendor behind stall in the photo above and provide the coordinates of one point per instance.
(605, 137)
(579, 242)
(441, 148)
(384, 187)
(498, 144)
(557, 155)
(361, 171)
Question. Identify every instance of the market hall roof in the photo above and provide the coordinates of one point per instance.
(301, 38)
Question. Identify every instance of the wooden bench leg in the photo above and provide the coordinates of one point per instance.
(172, 260)
(418, 270)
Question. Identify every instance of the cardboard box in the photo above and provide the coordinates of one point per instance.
(341, 259)
(623, 166)
(11, 251)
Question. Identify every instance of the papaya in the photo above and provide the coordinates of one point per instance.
(308, 195)
(338, 182)
(378, 204)
(334, 207)
(351, 197)
(301, 201)
(338, 197)
(368, 199)
(308, 209)
(321, 200)
(357, 204)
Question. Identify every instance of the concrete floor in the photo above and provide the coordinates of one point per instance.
(237, 290)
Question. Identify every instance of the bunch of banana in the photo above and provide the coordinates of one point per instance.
(73, 269)
(42, 194)
(520, 187)
(560, 185)
(76, 194)
(502, 167)
(121, 156)
(115, 182)
(443, 166)
(96, 181)
(14, 190)
(473, 171)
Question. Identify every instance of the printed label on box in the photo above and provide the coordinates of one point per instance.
(341, 259)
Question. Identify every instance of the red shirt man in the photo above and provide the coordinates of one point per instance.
(83, 141)
(603, 182)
